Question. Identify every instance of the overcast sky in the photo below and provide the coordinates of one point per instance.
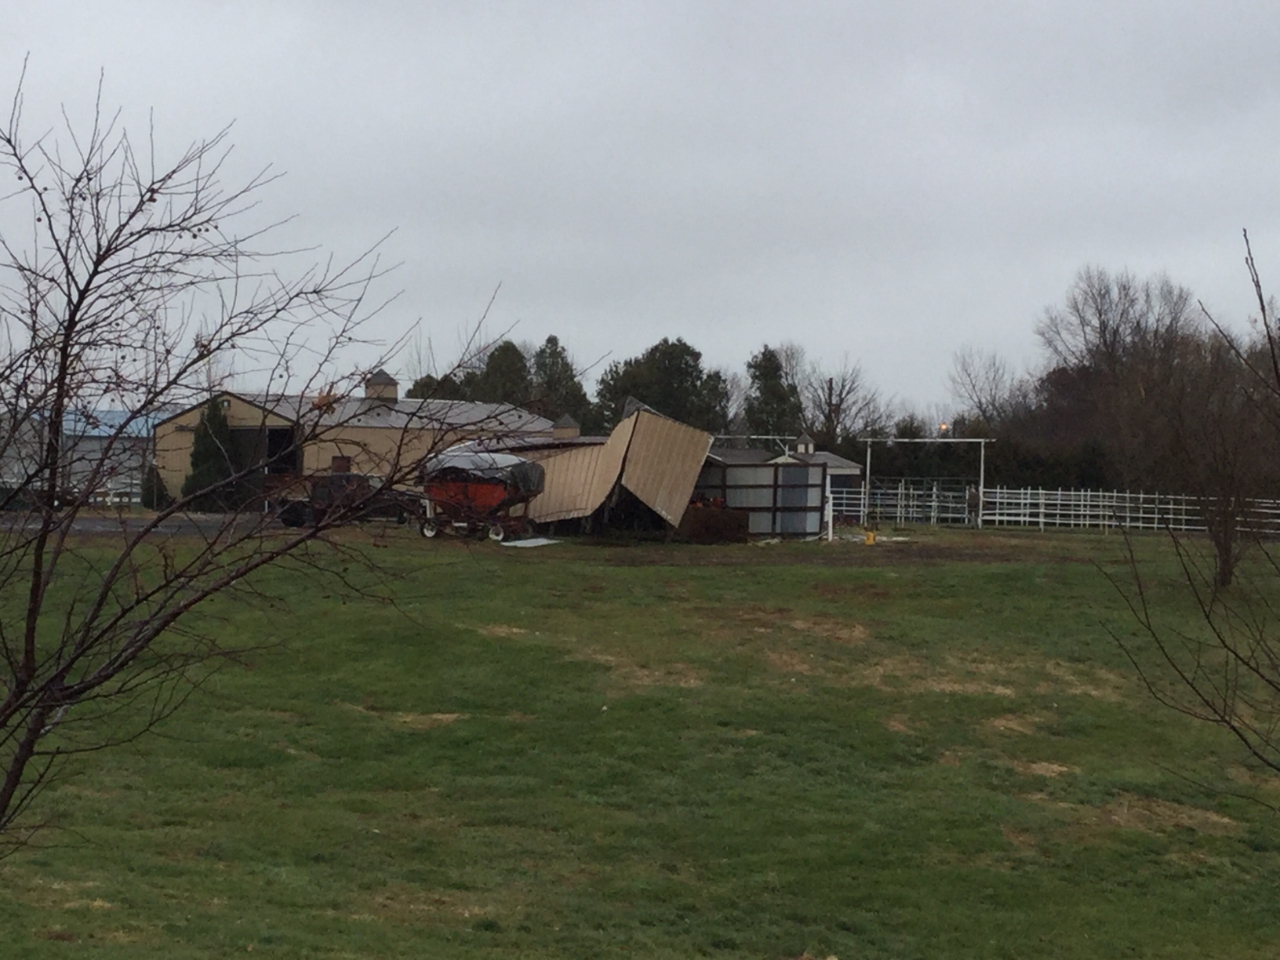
(888, 180)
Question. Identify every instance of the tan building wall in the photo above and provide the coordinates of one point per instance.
(377, 451)
(175, 436)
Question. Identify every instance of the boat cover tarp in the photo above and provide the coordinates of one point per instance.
(523, 478)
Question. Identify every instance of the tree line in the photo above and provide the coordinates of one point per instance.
(783, 394)
(1140, 388)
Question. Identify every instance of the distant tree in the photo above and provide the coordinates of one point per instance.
(773, 406)
(153, 494)
(428, 387)
(840, 406)
(987, 387)
(207, 484)
(503, 379)
(556, 389)
(668, 377)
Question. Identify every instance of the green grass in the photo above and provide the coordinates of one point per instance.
(914, 750)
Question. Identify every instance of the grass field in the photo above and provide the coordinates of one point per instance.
(916, 750)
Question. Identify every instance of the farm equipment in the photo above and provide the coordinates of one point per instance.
(473, 492)
(352, 496)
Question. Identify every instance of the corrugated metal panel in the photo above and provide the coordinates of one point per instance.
(565, 484)
(663, 463)
(579, 478)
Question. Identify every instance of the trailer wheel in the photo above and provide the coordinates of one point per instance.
(429, 527)
(497, 533)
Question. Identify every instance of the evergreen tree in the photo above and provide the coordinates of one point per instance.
(773, 406)
(153, 494)
(669, 378)
(211, 461)
(504, 379)
(556, 388)
(436, 388)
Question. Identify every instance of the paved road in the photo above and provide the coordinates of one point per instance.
(173, 526)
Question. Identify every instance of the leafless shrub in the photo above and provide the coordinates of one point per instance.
(130, 285)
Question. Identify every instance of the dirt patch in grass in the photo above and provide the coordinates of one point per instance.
(1022, 839)
(898, 723)
(906, 674)
(841, 631)
(789, 662)
(412, 721)
(500, 630)
(1082, 681)
(1132, 812)
(1014, 723)
(761, 619)
(1043, 768)
(425, 721)
(62, 936)
(406, 904)
(847, 591)
(946, 684)
(122, 936)
(627, 673)
(1129, 811)
(975, 676)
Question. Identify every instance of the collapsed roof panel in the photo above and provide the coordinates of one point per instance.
(656, 458)
(663, 463)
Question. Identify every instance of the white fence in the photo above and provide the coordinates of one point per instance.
(940, 503)
(904, 502)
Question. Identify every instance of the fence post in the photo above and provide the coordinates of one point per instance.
(831, 511)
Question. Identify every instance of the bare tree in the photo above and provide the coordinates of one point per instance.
(124, 280)
(840, 403)
(1222, 665)
(987, 387)
(1108, 316)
